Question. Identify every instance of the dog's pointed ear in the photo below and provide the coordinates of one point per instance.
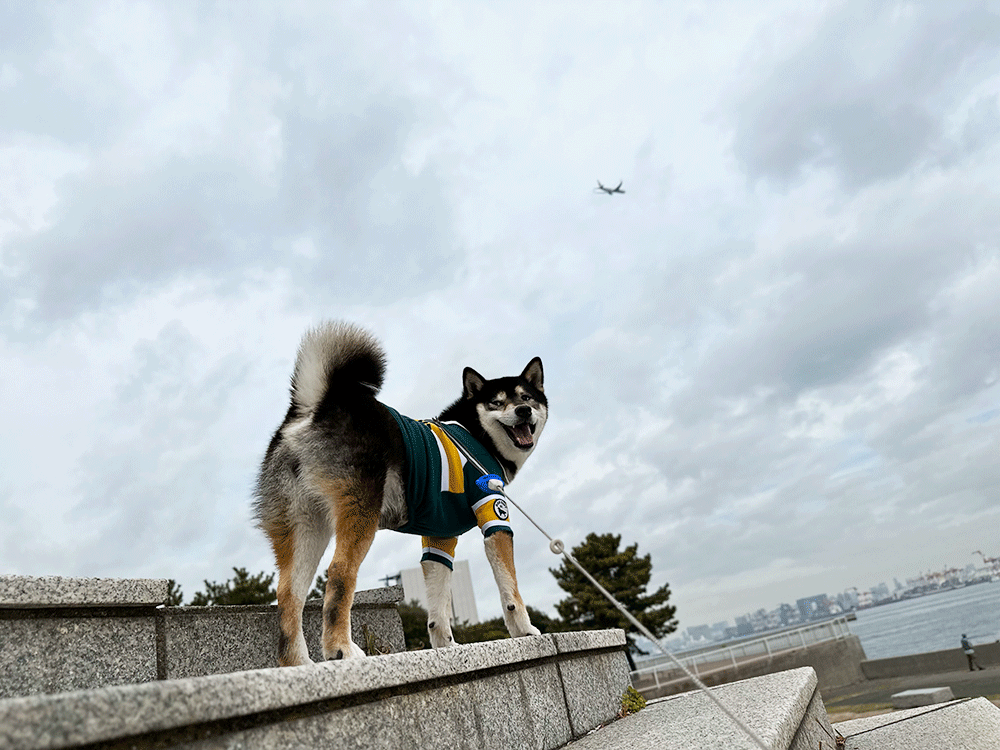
(472, 382)
(533, 373)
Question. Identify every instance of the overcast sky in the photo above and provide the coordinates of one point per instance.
(774, 362)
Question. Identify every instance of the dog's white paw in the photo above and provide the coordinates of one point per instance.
(518, 623)
(440, 635)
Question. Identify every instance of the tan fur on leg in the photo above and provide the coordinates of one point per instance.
(357, 522)
(500, 553)
(297, 552)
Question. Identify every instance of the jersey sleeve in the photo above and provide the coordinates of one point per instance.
(492, 514)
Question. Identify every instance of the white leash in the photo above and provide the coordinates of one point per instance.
(558, 548)
(494, 483)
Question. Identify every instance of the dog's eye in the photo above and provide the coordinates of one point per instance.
(526, 397)
(496, 403)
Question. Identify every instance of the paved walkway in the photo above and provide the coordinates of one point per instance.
(875, 695)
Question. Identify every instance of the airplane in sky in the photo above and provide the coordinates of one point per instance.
(609, 191)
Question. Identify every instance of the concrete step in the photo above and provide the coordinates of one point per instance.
(534, 692)
(972, 724)
(60, 633)
(784, 709)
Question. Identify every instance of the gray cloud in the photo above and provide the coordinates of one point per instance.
(338, 208)
(863, 96)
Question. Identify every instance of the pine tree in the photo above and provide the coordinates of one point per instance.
(623, 573)
(242, 588)
(175, 597)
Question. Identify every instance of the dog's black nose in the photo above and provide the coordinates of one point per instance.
(523, 412)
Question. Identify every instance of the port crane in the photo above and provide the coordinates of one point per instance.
(992, 562)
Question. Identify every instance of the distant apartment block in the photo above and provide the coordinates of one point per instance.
(881, 592)
(813, 607)
(463, 598)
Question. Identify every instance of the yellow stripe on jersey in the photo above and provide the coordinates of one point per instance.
(440, 544)
(456, 478)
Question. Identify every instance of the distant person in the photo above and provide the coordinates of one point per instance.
(970, 653)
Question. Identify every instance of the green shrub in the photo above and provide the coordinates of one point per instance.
(632, 701)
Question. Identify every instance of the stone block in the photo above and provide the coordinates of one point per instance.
(60, 634)
(216, 640)
(41, 654)
(922, 697)
(969, 725)
(594, 686)
(588, 640)
(28, 592)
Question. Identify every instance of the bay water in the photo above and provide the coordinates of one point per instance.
(930, 623)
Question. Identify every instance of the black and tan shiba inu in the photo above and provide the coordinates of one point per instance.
(343, 464)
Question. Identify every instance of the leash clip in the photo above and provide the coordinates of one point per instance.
(489, 482)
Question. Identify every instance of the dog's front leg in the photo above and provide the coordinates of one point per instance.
(500, 553)
(437, 581)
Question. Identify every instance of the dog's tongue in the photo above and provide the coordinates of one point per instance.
(522, 434)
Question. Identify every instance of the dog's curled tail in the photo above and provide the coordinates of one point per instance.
(335, 354)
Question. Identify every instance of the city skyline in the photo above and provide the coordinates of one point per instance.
(889, 590)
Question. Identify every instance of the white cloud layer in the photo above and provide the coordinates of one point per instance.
(773, 362)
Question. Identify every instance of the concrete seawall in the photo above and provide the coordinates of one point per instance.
(932, 662)
(837, 663)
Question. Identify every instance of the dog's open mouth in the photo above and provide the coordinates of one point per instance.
(521, 435)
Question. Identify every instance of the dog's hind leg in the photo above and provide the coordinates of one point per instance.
(358, 506)
(437, 581)
(500, 553)
(297, 549)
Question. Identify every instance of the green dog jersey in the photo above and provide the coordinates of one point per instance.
(442, 499)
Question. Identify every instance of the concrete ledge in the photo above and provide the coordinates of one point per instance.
(52, 640)
(500, 694)
(198, 641)
(28, 592)
(922, 697)
(969, 725)
(784, 709)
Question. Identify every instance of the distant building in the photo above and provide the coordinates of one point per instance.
(463, 598)
(744, 626)
(787, 614)
(881, 592)
(813, 607)
(700, 631)
(848, 600)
